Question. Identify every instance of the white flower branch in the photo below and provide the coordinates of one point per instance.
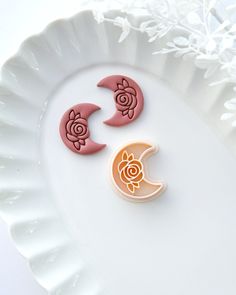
(203, 34)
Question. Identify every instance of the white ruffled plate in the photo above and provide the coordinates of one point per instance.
(65, 217)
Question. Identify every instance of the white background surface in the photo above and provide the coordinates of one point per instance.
(19, 20)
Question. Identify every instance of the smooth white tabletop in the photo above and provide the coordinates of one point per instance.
(19, 20)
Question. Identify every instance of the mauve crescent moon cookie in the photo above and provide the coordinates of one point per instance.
(74, 129)
(128, 98)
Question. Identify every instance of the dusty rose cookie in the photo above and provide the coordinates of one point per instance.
(75, 132)
(128, 99)
(129, 175)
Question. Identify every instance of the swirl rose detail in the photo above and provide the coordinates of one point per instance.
(126, 99)
(130, 171)
(77, 129)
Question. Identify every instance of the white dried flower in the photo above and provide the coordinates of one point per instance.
(200, 30)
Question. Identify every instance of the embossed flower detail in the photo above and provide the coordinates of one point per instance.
(126, 100)
(77, 129)
(131, 171)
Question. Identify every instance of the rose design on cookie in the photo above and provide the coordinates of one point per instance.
(131, 171)
(77, 129)
(126, 100)
(128, 173)
(74, 129)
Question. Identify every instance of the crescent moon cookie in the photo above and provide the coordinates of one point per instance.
(129, 174)
(128, 98)
(75, 132)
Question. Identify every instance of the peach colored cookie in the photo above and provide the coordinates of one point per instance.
(74, 129)
(128, 99)
(130, 176)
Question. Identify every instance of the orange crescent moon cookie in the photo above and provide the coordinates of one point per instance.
(129, 174)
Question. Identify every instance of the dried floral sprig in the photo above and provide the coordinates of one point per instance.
(204, 34)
